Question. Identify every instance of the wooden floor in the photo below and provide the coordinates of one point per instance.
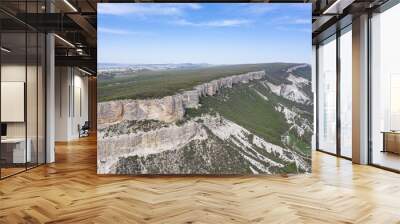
(386, 159)
(5, 172)
(69, 191)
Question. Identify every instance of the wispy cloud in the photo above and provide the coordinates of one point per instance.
(146, 9)
(302, 21)
(288, 20)
(295, 29)
(214, 23)
(120, 31)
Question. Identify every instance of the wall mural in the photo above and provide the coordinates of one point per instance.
(204, 88)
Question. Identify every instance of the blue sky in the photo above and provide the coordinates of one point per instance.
(150, 33)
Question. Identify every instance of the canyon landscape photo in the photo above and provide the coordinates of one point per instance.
(174, 113)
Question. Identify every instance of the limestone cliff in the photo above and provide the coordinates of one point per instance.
(143, 143)
(169, 108)
(259, 155)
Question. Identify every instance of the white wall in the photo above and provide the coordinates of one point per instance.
(70, 83)
(62, 81)
(79, 117)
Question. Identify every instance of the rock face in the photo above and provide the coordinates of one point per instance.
(295, 90)
(169, 108)
(291, 92)
(256, 152)
(110, 112)
(145, 143)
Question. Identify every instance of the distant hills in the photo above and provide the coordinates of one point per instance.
(107, 67)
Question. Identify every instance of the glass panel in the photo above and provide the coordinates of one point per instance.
(13, 86)
(23, 90)
(327, 96)
(346, 93)
(31, 88)
(31, 98)
(385, 89)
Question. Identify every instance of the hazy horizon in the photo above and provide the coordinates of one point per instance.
(117, 63)
(215, 34)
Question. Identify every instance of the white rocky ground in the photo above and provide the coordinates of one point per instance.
(176, 137)
(230, 131)
(292, 91)
(299, 124)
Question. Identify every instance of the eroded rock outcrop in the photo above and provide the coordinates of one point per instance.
(260, 155)
(169, 108)
(172, 137)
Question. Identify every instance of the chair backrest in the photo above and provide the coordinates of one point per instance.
(86, 125)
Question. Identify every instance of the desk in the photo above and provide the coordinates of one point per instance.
(391, 141)
(13, 150)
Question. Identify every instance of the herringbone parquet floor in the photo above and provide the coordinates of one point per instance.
(69, 191)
